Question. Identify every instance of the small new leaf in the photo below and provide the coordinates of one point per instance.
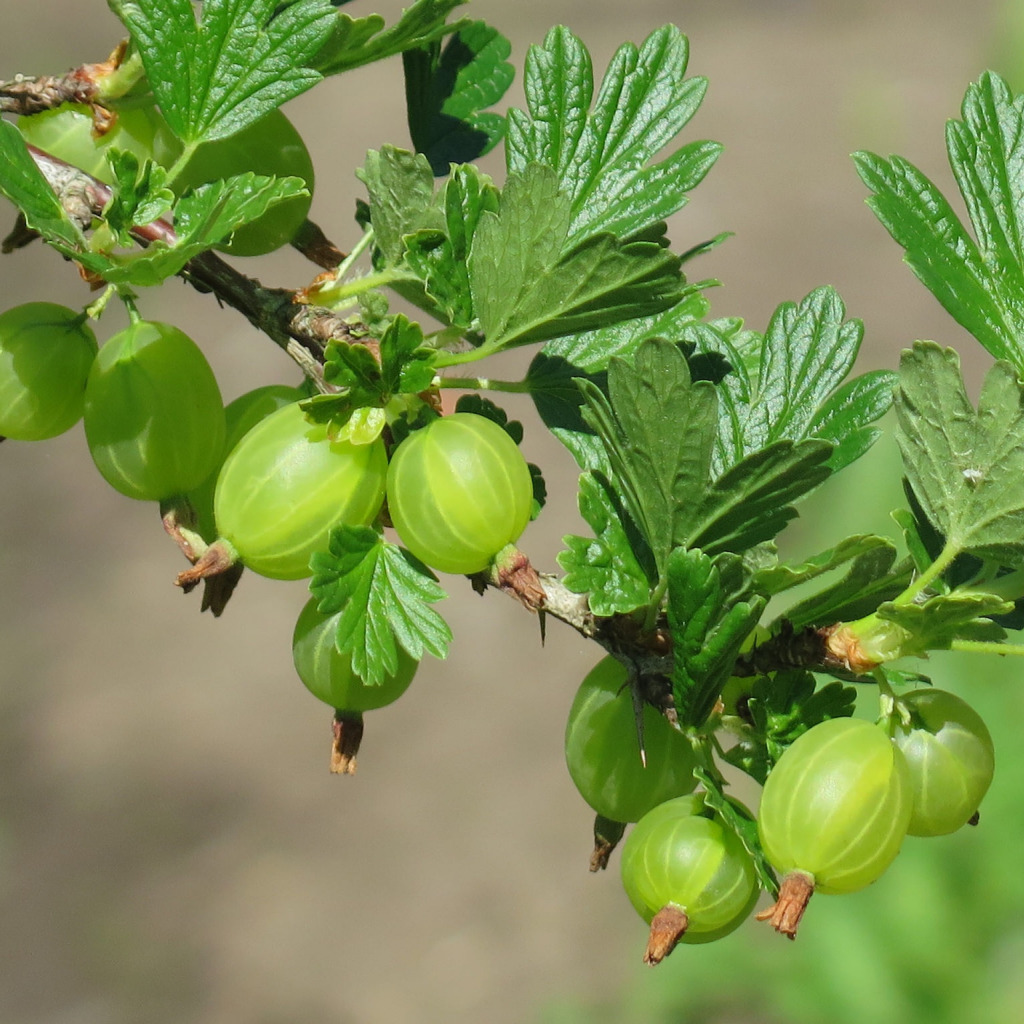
(140, 196)
(384, 597)
(935, 624)
(242, 60)
(966, 467)
(202, 218)
(367, 382)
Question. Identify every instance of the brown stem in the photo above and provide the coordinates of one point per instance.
(786, 913)
(667, 928)
(347, 731)
(316, 246)
(30, 94)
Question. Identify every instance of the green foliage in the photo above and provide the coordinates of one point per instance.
(966, 468)
(601, 151)
(447, 89)
(242, 60)
(384, 597)
(354, 42)
(979, 282)
(711, 611)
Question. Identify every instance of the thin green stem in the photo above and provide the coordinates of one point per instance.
(929, 576)
(471, 355)
(335, 295)
(484, 384)
(987, 647)
(654, 606)
(181, 163)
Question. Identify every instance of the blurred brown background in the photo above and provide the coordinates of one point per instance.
(172, 848)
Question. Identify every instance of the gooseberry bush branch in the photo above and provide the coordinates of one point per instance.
(696, 436)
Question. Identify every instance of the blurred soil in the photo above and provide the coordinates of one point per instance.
(172, 848)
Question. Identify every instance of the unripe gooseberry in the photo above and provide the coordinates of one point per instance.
(459, 490)
(602, 749)
(949, 754)
(682, 855)
(329, 676)
(285, 485)
(154, 419)
(46, 352)
(68, 133)
(836, 806)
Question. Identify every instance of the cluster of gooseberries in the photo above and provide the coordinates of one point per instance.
(832, 817)
(254, 484)
(258, 484)
(257, 481)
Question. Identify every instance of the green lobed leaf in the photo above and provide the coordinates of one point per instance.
(751, 503)
(384, 596)
(873, 577)
(711, 611)
(23, 184)
(243, 59)
(941, 253)
(796, 391)
(529, 284)
(604, 567)
(658, 428)
(783, 576)
(354, 42)
(602, 150)
(551, 377)
(966, 467)
(446, 91)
